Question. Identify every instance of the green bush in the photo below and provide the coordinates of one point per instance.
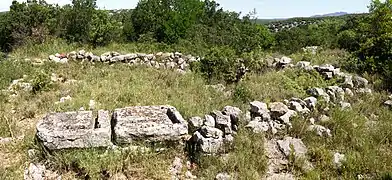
(41, 82)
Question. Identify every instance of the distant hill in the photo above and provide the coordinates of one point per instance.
(331, 14)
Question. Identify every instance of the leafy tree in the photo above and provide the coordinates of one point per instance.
(79, 19)
(104, 29)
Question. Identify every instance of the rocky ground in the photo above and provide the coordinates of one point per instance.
(297, 120)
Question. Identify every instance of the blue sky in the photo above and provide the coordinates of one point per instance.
(264, 8)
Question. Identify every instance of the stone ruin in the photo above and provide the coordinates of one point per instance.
(84, 130)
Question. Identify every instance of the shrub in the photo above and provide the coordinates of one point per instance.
(41, 82)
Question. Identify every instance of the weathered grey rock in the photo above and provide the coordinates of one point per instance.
(345, 105)
(233, 112)
(209, 121)
(287, 117)
(176, 167)
(210, 132)
(35, 172)
(303, 64)
(388, 103)
(258, 108)
(258, 126)
(338, 159)
(284, 62)
(222, 176)
(325, 68)
(323, 118)
(75, 130)
(299, 147)
(150, 123)
(348, 92)
(196, 122)
(278, 109)
(336, 93)
(320, 130)
(348, 82)
(364, 91)
(296, 106)
(207, 145)
(281, 176)
(360, 82)
(223, 122)
(311, 102)
(277, 161)
(390, 97)
(318, 92)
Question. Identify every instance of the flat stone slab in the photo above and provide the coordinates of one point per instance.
(149, 123)
(78, 129)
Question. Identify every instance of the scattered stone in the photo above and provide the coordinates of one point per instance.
(222, 121)
(149, 123)
(281, 176)
(320, 130)
(348, 82)
(348, 92)
(258, 127)
(338, 159)
(258, 108)
(364, 91)
(312, 121)
(195, 122)
(6, 140)
(360, 82)
(323, 118)
(388, 103)
(311, 102)
(209, 121)
(91, 104)
(32, 153)
(75, 130)
(210, 132)
(207, 145)
(222, 176)
(345, 105)
(35, 172)
(303, 64)
(233, 112)
(297, 144)
(278, 109)
(189, 175)
(175, 169)
(286, 117)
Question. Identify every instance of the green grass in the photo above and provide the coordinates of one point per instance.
(368, 149)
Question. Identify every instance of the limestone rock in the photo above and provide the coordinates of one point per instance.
(209, 132)
(75, 130)
(150, 123)
(207, 145)
(299, 147)
(195, 122)
(258, 108)
(233, 112)
(388, 103)
(320, 130)
(222, 176)
(338, 159)
(360, 82)
(311, 102)
(303, 64)
(35, 172)
(258, 126)
(278, 109)
(287, 117)
(223, 122)
(209, 121)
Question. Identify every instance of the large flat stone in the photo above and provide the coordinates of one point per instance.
(150, 123)
(75, 130)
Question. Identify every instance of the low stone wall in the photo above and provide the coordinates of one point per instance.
(159, 60)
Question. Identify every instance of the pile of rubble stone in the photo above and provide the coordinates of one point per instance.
(215, 131)
(159, 60)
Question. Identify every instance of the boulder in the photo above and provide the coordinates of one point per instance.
(258, 126)
(207, 145)
(287, 117)
(311, 102)
(223, 122)
(149, 123)
(299, 147)
(360, 82)
(278, 109)
(209, 121)
(338, 159)
(388, 103)
(233, 112)
(303, 64)
(258, 108)
(210, 132)
(75, 130)
(348, 82)
(196, 122)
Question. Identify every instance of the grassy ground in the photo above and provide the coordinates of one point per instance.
(367, 147)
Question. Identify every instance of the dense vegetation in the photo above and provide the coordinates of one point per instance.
(199, 26)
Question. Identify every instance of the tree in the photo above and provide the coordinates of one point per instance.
(78, 20)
